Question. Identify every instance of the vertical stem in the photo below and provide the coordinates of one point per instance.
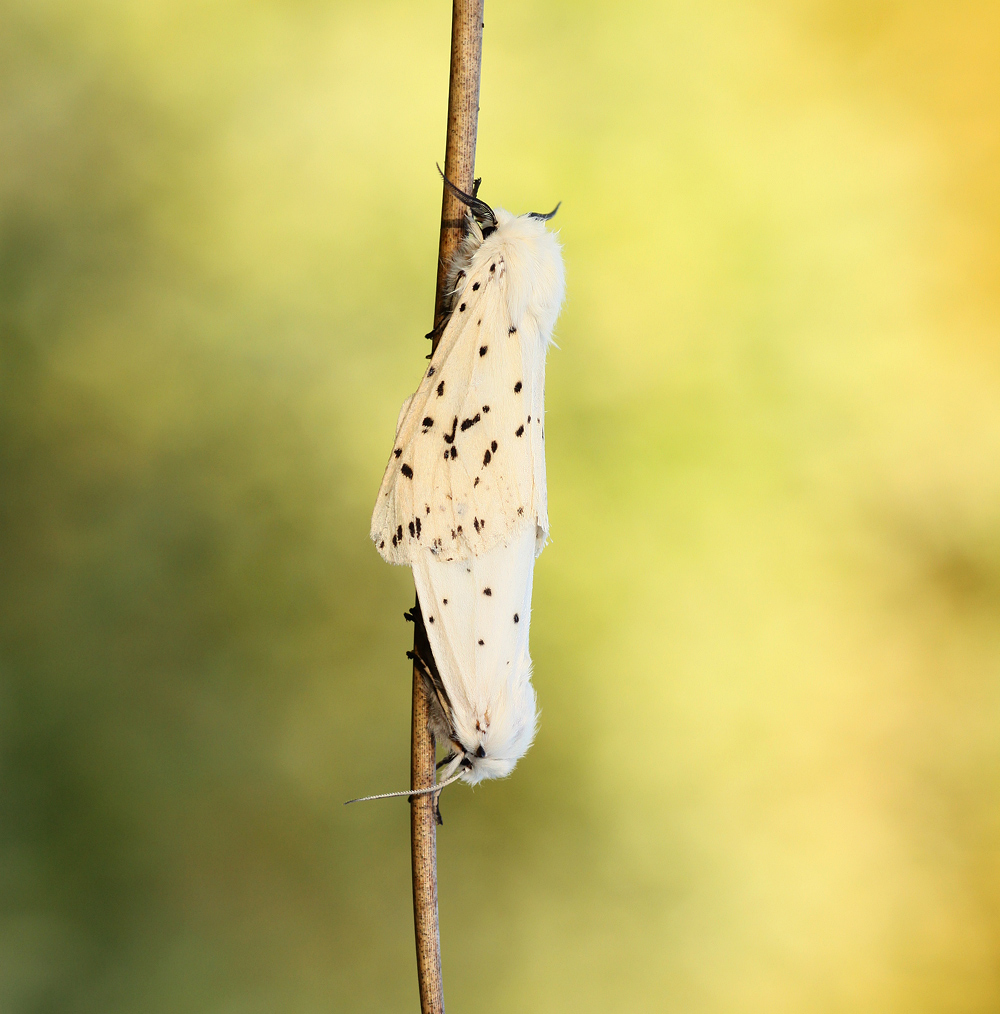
(459, 166)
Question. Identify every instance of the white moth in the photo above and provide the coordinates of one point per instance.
(463, 499)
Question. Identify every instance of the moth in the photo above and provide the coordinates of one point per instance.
(463, 500)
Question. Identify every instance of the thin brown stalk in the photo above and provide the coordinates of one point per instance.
(459, 167)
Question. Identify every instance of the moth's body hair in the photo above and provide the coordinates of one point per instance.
(464, 501)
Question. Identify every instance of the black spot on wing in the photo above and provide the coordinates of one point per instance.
(476, 483)
(416, 521)
(449, 438)
(461, 309)
(397, 452)
(440, 389)
(487, 591)
(517, 619)
(454, 452)
(486, 457)
(413, 530)
(428, 422)
(519, 432)
(475, 285)
(512, 330)
(482, 349)
(486, 409)
(431, 371)
(407, 471)
(469, 423)
(517, 387)
(493, 267)
(493, 447)
(481, 641)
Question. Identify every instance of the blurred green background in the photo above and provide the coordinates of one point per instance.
(766, 632)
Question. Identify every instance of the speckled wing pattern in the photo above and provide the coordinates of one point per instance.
(467, 470)
(477, 614)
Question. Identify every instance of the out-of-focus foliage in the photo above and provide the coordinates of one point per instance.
(767, 630)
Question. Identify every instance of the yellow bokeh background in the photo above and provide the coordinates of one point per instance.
(767, 629)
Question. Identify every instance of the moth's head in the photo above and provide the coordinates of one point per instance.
(484, 219)
(502, 735)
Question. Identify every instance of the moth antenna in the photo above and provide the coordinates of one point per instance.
(544, 218)
(409, 792)
(480, 209)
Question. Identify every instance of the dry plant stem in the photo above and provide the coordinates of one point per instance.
(459, 166)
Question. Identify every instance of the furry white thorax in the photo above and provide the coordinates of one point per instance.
(464, 500)
(533, 256)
